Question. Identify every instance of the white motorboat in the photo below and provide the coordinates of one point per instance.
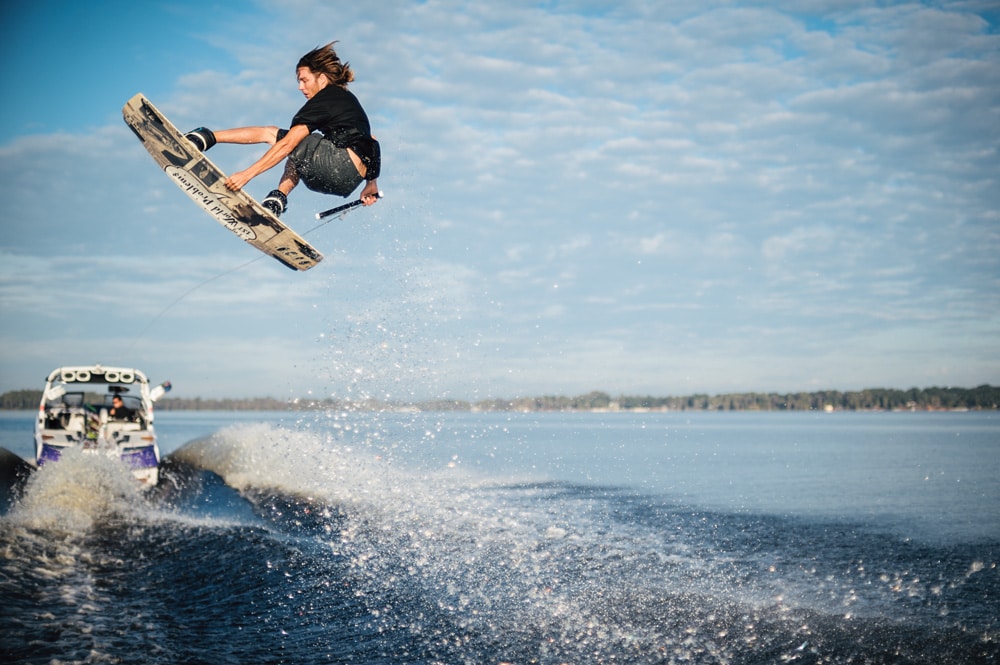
(80, 409)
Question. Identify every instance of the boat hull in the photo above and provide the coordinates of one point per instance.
(144, 462)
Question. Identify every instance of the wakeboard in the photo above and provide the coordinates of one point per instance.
(204, 182)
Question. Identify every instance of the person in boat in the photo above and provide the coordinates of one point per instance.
(329, 147)
(118, 409)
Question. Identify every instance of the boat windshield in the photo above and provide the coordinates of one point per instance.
(95, 398)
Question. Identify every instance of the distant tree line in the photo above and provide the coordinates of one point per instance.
(873, 399)
(983, 397)
(20, 399)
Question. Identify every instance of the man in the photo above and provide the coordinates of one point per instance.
(335, 160)
(118, 409)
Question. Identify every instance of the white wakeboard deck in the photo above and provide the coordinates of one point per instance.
(202, 180)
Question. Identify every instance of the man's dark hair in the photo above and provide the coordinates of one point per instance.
(324, 60)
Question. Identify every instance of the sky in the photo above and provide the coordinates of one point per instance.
(641, 198)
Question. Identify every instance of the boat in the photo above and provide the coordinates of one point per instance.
(80, 409)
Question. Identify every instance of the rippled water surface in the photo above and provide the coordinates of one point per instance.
(519, 538)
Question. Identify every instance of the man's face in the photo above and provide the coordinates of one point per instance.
(309, 83)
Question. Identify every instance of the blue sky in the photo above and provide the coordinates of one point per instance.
(635, 197)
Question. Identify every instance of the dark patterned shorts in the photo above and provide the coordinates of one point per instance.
(325, 168)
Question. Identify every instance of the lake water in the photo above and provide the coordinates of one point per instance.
(537, 537)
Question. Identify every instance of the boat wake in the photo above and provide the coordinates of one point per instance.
(72, 496)
(271, 540)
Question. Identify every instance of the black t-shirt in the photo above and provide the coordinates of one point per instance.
(121, 413)
(338, 114)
